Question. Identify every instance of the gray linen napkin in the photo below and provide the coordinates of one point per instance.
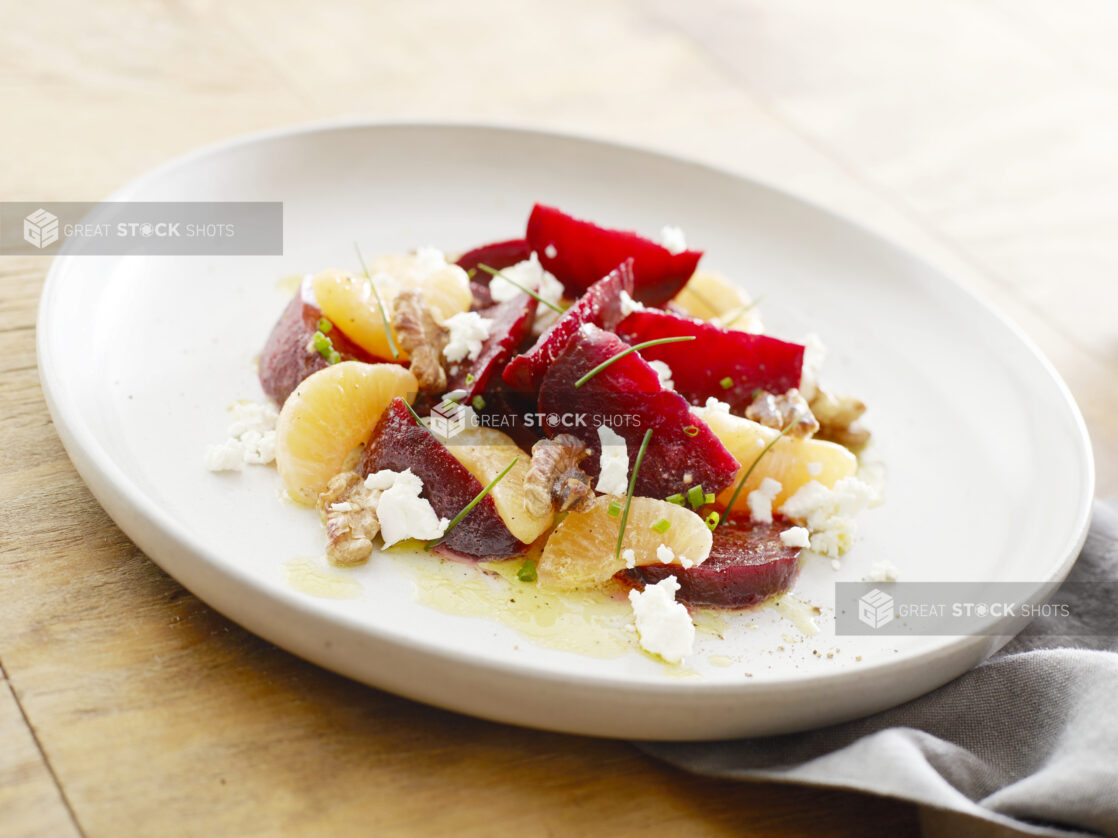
(1028, 740)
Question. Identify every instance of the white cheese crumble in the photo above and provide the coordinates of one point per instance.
(630, 557)
(629, 305)
(380, 480)
(672, 239)
(760, 500)
(252, 438)
(815, 352)
(528, 274)
(550, 251)
(814, 469)
(402, 512)
(614, 476)
(796, 537)
(664, 372)
(884, 571)
(665, 554)
(830, 513)
(468, 331)
(663, 625)
(717, 405)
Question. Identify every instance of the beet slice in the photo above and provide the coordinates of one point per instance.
(627, 396)
(600, 305)
(717, 356)
(398, 443)
(579, 253)
(748, 563)
(285, 361)
(499, 255)
(512, 322)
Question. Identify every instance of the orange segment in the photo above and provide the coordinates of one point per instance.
(349, 301)
(581, 551)
(330, 414)
(711, 296)
(792, 461)
(484, 452)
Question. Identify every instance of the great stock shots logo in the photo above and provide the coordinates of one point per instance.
(40, 228)
(448, 419)
(875, 609)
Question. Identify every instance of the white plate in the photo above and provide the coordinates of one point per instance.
(990, 470)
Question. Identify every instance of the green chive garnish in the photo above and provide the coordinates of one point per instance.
(470, 378)
(629, 494)
(764, 451)
(478, 402)
(614, 508)
(325, 347)
(527, 572)
(662, 526)
(380, 304)
(469, 506)
(727, 383)
(324, 325)
(677, 499)
(528, 291)
(415, 416)
(708, 497)
(696, 496)
(712, 520)
(624, 352)
(471, 273)
(691, 430)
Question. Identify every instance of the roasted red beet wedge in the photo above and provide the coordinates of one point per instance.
(716, 358)
(584, 252)
(285, 361)
(398, 443)
(512, 322)
(498, 256)
(600, 305)
(748, 563)
(627, 396)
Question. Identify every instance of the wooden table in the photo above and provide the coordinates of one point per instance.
(980, 133)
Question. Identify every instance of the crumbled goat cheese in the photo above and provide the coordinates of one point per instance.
(629, 305)
(796, 537)
(717, 405)
(528, 274)
(760, 500)
(665, 554)
(403, 513)
(830, 513)
(381, 480)
(686, 563)
(550, 252)
(252, 438)
(614, 476)
(672, 239)
(428, 260)
(341, 506)
(884, 571)
(663, 625)
(814, 469)
(815, 352)
(468, 330)
(227, 456)
(630, 557)
(665, 374)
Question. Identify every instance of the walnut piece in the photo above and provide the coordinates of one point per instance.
(837, 417)
(775, 411)
(348, 509)
(554, 481)
(422, 338)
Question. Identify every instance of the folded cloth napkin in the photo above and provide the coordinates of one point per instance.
(1027, 741)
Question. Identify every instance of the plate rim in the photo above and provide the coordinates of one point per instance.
(111, 486)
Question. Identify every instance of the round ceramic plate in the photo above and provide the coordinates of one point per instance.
(989, 466)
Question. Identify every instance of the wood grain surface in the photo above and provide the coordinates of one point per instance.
(978, 133)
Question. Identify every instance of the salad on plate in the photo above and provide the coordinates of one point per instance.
(586, 406)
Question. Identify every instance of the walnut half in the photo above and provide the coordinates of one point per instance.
(555, 481)
(838, 417)
(422, 338)
(777, 412)
(348, 509)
